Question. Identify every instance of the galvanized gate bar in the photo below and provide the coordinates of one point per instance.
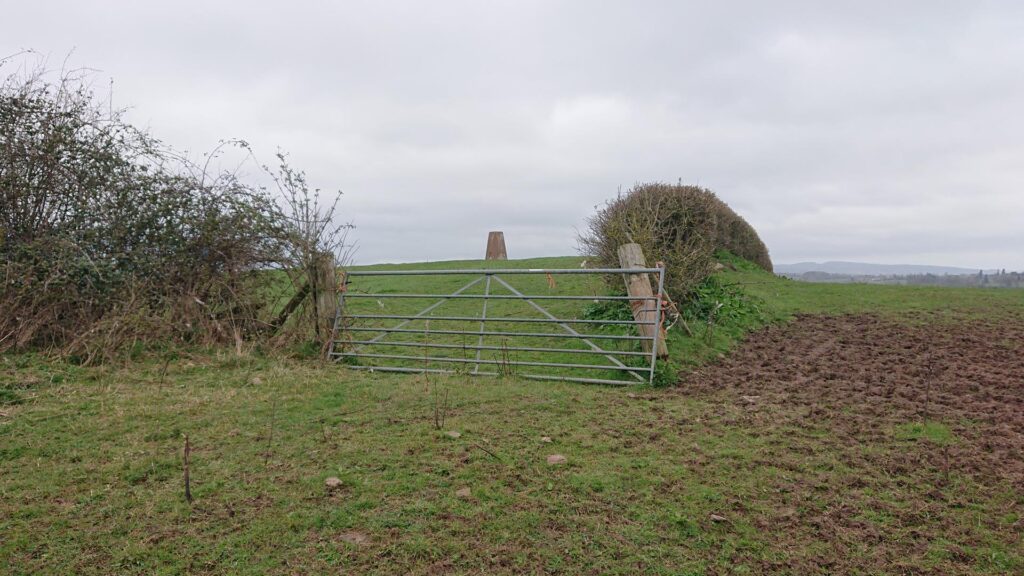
(521, 296)
(506, 271)
(572, 334)
(428, 308)
(496, 319)
(482, 332)
(499, 348)
(657, 323)
(527, 376)
(485, 361)
(569, 329)
(483, 319)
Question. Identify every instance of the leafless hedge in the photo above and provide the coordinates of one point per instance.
(109, 238)
(679, 225)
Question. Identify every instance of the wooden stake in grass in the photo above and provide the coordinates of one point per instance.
(163, 369)
(929, 372)
(440, 410)
(945, 463)
(270, 436)
(188, 484)
(505, 366)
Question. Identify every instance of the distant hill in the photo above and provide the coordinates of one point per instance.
(866, 269)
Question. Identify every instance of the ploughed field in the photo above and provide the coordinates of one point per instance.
(852, 430)
(916, 432)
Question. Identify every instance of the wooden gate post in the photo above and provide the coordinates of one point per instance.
(496, 246)
(324, 284)
(639, 286)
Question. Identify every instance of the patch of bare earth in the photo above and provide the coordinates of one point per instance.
(843, 390)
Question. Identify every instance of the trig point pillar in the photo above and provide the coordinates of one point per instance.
(496, 246)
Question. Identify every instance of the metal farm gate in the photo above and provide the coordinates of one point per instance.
(380, 329)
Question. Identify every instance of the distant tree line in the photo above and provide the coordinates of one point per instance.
(1000, 279)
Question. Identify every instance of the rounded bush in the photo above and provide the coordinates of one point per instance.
(679, 225)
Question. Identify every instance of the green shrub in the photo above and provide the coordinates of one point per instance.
(613, 310)
(727, 303)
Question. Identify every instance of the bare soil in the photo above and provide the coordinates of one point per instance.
(860, 386)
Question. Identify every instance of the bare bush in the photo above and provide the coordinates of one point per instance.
(109, 238)
(673, 224)
(679, 225)
(736, 235)
(312, 235)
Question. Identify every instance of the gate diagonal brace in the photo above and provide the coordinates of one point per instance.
(567, 328)
(421, 313)
(483, 322)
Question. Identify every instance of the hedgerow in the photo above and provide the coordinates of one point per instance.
(678, 225)
(108, 237)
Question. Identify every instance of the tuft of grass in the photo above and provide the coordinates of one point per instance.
(9, 397)
(934, 432)
(155, 470)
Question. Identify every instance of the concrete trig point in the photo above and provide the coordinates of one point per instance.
(496, 246)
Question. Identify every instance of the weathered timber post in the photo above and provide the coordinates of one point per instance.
(496, 246)
(323, 283)
(639, 286)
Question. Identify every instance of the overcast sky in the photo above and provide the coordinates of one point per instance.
(888, 131)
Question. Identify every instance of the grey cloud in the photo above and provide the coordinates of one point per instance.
(870, 130)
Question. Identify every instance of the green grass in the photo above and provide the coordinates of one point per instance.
(934, 432)
(656, 482)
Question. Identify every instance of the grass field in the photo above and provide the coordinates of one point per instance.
(879, 438)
